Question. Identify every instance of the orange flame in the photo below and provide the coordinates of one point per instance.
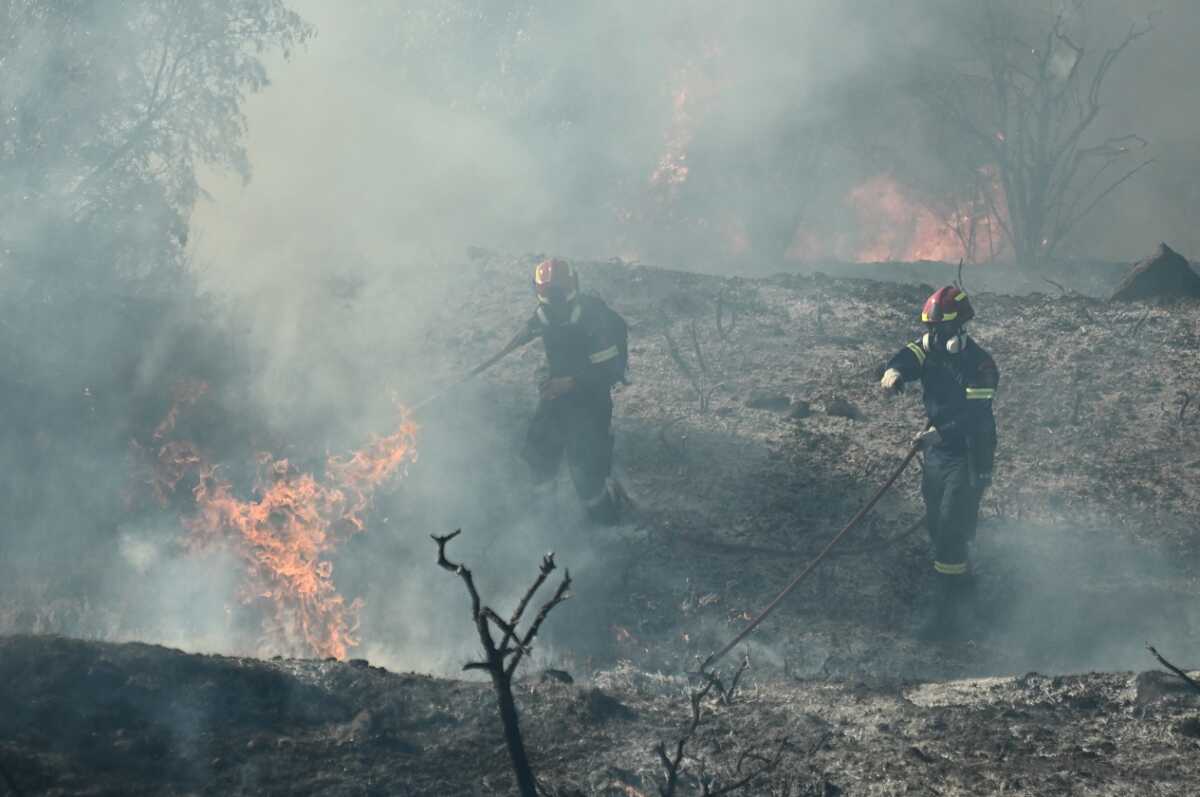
(898, 228)
(286, 533)
(184, 394)
(671, 171)
(174, 459)
(890, 225)
(693, 96)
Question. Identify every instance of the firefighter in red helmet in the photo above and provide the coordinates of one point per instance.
(587, 352)
(959, 379)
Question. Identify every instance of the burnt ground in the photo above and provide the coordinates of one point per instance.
(1087, 550)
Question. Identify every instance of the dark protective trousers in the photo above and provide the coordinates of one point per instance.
(952, 508)
(579, 425)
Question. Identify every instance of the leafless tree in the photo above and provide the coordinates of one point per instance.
(1025, 103)
(501, 658)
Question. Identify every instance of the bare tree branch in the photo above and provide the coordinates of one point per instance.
(511, 644)
(672, 764)
(457, 569)
(1042, 100)
(723, 331)
(546, 568)
(766, 765)
(560, 595)
(1186, 678)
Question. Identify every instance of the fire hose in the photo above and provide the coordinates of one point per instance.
(854, 521)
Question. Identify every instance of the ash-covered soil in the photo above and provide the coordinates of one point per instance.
(746, 443)
(104, 719)
(1088, 542)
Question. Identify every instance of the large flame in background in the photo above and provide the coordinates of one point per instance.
(694, 89)
(893, 227)
(890, 225)
(287, 531)
(881, 219)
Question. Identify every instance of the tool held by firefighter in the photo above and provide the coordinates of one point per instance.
(521, 339)
(854, 521)
(959, 380)
(587, 352)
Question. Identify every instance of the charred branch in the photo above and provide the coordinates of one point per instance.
(698, 375)
(1058, 285)
(726, 695)
(1187, 679)
(751, 765)
(671, 764)
(765, 766)
(501, 660)
(1039, 101)
(695, 335)
(722, 330)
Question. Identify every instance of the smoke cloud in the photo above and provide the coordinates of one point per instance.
(710, 136)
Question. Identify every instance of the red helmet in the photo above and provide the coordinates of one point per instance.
(555, 282)
(947, 305)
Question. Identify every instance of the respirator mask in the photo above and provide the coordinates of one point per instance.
(946, 339)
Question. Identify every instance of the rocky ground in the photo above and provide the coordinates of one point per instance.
(751, 431)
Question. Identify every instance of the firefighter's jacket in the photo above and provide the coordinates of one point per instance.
(958, 392)
(591, 345)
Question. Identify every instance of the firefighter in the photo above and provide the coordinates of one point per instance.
(959, 379)
(586, 347)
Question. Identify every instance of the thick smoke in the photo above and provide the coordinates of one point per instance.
(569, 127)
(699, 135)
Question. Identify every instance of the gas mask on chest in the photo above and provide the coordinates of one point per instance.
(944, 339)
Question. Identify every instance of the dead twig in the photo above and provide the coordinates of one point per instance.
(1055, 284)
(698, 375)
(671, 764)
(1186, 678)
(1139, 323)
(726, 695)
(766, 765)
(722, 330)
(501, 659)
(695, 333)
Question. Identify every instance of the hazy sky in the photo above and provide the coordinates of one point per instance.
(402, 134)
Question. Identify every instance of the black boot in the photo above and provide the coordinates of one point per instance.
(605, 508)
(949, 618)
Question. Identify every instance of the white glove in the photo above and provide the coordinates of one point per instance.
(891, 382)
(927, 438)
